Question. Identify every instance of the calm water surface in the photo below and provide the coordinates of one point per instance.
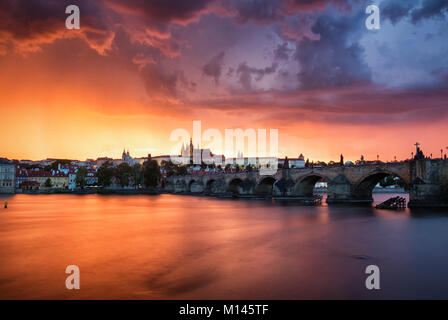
(184, 247)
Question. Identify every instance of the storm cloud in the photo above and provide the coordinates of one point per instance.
(178, 48)
(214, 66)
(336, 59)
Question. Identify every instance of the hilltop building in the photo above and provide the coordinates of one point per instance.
(191, 155)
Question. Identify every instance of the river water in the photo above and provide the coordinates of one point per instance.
(186, 247)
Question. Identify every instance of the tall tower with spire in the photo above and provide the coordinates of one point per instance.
(191, 148)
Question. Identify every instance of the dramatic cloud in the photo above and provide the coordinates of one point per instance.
(246, 74)
(164, 86)
(336, 59)
(165, 11)
(287, 63)
(27, 25)
(260, 11)
(295, 6)
(395, 11)
(282, 51)
(430, 9)
(299, 26)
(214, 66)
(417, 10)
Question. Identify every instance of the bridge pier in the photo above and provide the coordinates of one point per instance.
(179, 187)
(341, 190)
(429, 187)
(428, 195)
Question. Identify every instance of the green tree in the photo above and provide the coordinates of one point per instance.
(48, 183)
(170, 168)
(81, 177)
(181, 170)
(105, 174)
(137, 175)
(124, 174)
(151, 174)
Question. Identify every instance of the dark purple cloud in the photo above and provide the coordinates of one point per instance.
(415, 9)
(246, 74)
(161, 11)
(333, 60)
(30, 23)
(165, 86)
(213, 67)
(153, 37)
(395, 11)
(296, 6)
(282, 52)
(260, 11)
(430, 9)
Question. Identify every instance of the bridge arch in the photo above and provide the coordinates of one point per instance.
(214, 185)
(209, 185)
(195, 186)
(363, 187)
(169, 186)
(234, 185)
(265, 186)
(179, 186)
(305, 186)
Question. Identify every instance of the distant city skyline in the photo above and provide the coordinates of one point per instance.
(137, 70)
(442, 153)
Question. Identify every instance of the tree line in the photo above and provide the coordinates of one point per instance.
(147, 175)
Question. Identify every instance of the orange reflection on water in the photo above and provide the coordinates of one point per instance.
(177, 247)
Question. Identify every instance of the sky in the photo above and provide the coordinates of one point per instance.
(136, 70)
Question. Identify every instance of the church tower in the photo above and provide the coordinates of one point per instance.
(191, 150)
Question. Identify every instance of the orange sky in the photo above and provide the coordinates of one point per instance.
(130, 82)
(44, 116)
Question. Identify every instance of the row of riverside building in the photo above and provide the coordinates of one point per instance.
(28, 175)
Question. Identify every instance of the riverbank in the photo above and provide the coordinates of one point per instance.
(94, 191)
(156, 191)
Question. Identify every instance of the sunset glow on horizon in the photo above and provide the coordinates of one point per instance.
(138, 70)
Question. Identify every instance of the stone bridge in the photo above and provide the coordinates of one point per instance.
(426, 179)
